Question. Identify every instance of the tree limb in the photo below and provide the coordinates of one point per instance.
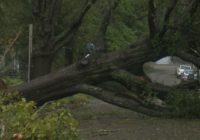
(67, 34)
(167, 18)
(100, 37)
(111, 97)
(193, 7)
(152, 19)
(143, 87)
(185, 55)
(11, 44)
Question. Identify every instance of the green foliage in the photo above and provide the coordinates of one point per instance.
(15, 15)
(176, 42)
(19, 117)
(119, 36)
(185, 104)
(128, 24)
(12, 81)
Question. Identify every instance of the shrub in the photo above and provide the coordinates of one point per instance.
(185, 104)
(20, 118)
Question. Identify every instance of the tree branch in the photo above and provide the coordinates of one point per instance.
(167, 18)
(152, 19)
(122, 91)
(185, 55)
(135, 83)
(11, 44)
(100, 37)
(44, 12)
(193, 8)
(144, 88)
(112, 98)
(61, 40)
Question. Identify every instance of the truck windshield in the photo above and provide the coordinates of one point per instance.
(186, 67)
(189, 72)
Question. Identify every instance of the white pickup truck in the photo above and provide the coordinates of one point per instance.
(181, 69)
(189, 75)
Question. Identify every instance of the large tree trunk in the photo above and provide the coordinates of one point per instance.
(41, 65)
(46, 41)
(44, 17)
(47, 87)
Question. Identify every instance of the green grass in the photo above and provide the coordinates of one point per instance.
(76, 99)
(12, 81)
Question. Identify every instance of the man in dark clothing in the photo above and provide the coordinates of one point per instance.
(89, 49)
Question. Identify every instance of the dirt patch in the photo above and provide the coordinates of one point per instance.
(102, 121)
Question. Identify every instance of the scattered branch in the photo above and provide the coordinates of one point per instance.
(12, 43)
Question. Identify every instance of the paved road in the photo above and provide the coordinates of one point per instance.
(162, 73)
(102, 121)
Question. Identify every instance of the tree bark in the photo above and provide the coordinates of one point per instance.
(69, 55)
(44, 17)
(41, 65)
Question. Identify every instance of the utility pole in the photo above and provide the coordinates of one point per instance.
(30, 50)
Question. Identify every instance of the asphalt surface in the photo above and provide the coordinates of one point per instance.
(102, 121)
(162, 73)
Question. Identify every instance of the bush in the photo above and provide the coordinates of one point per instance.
(185, 104)
(20, 118)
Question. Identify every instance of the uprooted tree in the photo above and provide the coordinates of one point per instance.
(113, 77)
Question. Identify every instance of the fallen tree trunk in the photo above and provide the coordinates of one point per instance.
(88, 79)
(47, 87)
